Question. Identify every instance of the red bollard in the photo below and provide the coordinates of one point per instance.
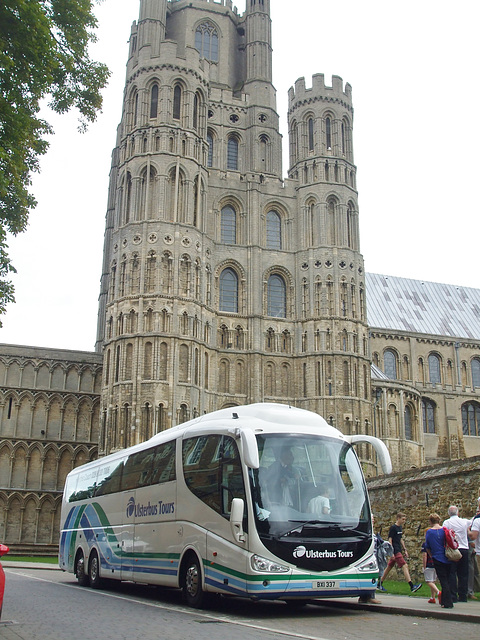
(3, 551)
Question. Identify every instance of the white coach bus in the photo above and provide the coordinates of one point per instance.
(263, 501)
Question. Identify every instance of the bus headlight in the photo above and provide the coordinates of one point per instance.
(267, 566)
(370, 564)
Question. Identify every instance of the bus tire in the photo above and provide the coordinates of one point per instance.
(94, 570)
(80, 572)
(192, 590)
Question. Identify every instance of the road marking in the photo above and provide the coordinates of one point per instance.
(172, 607)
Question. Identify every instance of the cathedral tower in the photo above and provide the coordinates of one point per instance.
(223, 283)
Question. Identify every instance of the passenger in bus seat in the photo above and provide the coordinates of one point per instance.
(320, 504)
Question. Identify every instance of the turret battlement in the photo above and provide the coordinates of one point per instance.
(300, 93)
(219, 3)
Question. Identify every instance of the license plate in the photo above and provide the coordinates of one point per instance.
(325, 584)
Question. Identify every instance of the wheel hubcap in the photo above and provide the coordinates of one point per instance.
(191, 580)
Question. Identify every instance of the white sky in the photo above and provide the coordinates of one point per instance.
(413, 66)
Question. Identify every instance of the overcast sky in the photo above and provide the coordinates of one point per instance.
(413, 66)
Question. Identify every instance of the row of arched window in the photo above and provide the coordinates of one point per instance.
(470, 414)
(53, 417)
(185, 108)
(193, 366)
(47, 375)
(433, 369)
(28, 519)
(320, 135)
(323, 298)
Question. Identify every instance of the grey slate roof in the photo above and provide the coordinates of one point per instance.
(422, 307)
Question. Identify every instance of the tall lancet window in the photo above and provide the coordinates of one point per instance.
(232, 153)
(206, 41)
(310, 125)
(229, 291)
(328, 132)
(276, 297)
(210, 150)
(274, 230)
(177, 102)
(154, 101)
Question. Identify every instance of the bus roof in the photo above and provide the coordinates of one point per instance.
(260, 416)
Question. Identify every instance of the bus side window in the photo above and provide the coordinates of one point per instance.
(212, 471)
(163, 469)
(109, 479)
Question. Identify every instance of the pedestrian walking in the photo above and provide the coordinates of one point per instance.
(435, 544)
(400, 554)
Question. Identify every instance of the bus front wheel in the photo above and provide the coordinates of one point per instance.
(94, 571)
(193, 592)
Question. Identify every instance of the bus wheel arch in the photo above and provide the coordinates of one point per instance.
(80, 568)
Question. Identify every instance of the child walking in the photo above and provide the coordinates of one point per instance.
(430, 575)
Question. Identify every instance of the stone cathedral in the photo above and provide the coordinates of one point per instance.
(226, 283)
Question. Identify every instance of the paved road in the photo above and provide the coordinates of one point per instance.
(49, 605)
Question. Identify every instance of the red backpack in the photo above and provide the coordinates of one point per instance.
(450, 538)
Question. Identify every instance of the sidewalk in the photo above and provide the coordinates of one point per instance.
(400, 605)
(411, 606)
(13, 564)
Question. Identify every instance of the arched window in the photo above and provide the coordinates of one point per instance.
(274, 230)
(434, 369)
(206, 41)
(196, 102)
(428, 415)
(390, 364)
(229, 291)
(228, 225)
(331, 221)
(232, 153)
(408, 415)
(350, 230)
(471, 419)
(476, 373)
(135, 109)
(210, 150)
(328, 132)
(310, 125)
(276, 297)
(293, 143)
(154, 101)
(177, 102)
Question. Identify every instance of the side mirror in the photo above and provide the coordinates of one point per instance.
(236, 519)
(250, 448)
(379, 447)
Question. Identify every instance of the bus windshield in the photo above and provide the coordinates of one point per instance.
(308, 483)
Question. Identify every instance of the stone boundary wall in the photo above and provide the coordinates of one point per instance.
(419, 492)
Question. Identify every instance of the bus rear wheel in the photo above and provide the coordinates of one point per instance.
(192, 589)
(94, 571)
(80, 573)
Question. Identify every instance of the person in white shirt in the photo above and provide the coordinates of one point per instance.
(320, 505)
(459, 571)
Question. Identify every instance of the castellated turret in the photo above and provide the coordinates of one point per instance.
(224, 283)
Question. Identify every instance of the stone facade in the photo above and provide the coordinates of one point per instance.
(49, 424)
(224, 283)
(419, 492)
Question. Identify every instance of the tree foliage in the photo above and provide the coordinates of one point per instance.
(43, 54)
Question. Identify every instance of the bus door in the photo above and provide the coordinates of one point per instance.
(126, 535)
(213, 473)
